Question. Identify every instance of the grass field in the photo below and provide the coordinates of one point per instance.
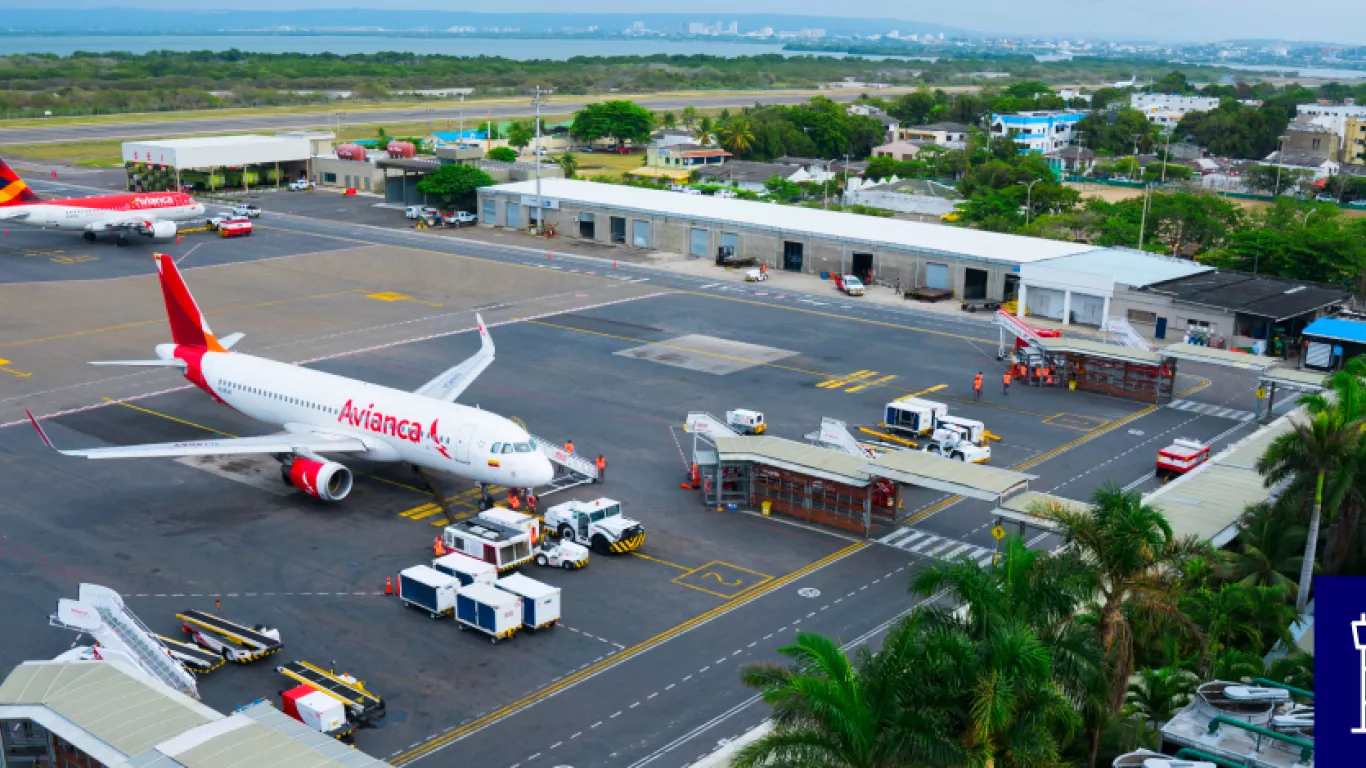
(87, 154)
(607, 165)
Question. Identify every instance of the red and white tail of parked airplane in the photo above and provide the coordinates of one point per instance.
(149, 214)
(320, 413)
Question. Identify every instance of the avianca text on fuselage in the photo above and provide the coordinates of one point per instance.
(376, 422)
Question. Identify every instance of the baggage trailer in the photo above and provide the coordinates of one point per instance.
(233, 641)
(192, 657)
(428, 589)
(362, 706)
(540, 601)
(466, 569)
(490, 610)
(318, 711)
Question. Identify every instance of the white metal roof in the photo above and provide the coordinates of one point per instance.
(930, 239)
(219, 151)
(1128, 266)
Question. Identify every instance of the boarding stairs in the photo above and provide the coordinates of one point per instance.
(1118, 331)
(571, 469)
(834, 434)
(100, 613)
(1018, 330)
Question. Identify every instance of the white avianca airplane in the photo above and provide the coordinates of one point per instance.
(322, 413)
(150, 214)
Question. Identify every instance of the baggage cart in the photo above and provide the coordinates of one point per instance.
(466, 569)
(540, 601)
(489, 610)
(428, 589)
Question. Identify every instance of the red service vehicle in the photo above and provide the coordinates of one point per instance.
(623, 150)
(234, 228)
(1181, 457)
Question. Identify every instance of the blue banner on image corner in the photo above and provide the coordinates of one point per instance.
(1339, 671)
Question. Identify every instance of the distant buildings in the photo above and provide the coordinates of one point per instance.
(1042, 131)
(946, 135)
(1168, 109)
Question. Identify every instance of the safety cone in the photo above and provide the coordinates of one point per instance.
(614, 263)
(388, 585)
(547, 255)
(177, 239)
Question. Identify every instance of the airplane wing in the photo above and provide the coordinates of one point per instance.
(310, 442)
(449, 385)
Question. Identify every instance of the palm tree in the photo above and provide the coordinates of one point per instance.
(1223, 615)
(1156, 695)
(832, 712)
(1314, 448)
(705, 126)
(736, 135)
(569, 162)
(1345, 489)
(1270, 550)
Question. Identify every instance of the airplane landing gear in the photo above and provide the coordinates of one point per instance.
(431, 488)
(485, 501)
(89, 237)
(122, 242)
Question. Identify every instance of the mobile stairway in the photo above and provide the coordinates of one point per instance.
(1118, 331)
(571, 469)
(192, 657)
(100, 613)
(233, 641)
(362, 706)
(835, 434)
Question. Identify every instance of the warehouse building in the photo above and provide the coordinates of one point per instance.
(971, 263)
(214, 162)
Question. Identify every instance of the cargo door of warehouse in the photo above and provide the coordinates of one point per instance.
(587, 226)
(1043, 302)
(937, 276)
(490, 212)
(697, 242)
(792, 256)
(1087, 310)
(514, 215)
(618, 225)
(862, 267)
(640, 233)
(731, 239)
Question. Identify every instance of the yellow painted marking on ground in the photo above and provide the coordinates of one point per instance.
(718, 571)
(873, 383)
(611, 661)
(137, 323)
(74, 259)
(395, 296)
(848, 378)
(1035, 461)
(1204, 382)
(11, 371)
(663, 562)
(1074, 421)
(925, 391)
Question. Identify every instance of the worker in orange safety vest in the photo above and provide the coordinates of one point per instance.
(977, 387)
(569, 446)
(514, 501)
(1005, 383)
(602, 469)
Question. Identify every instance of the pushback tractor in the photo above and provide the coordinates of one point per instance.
(598, 523)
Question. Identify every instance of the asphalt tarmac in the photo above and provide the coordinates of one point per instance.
(643, 671)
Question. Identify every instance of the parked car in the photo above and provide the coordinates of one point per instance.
(623, 150)
(685, 189)
(1357, 203)
(1323, 198)
(727, 193)
(247, 211)
(459, 219)
(849, 284)
(421, 212)
(587, 148)
(300, 185)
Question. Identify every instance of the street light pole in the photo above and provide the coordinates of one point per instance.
(1029, 198)
(1166, 153)
(537, 92)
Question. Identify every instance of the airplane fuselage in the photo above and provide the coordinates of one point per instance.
(396, 426)
(94, 214)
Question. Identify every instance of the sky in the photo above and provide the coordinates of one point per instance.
(1168, 20)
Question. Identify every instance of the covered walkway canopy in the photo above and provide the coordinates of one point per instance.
(937, 473)
(797, 457)
(1196, 353)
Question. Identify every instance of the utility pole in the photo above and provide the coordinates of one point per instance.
(1143, 220)
(1167, 153)
(1280, 161)
(1029, 198)
(537, 93)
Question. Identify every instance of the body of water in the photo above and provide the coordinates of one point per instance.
(347, 44)
(1316, 72)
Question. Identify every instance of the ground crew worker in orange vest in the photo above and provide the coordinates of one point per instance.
(1005, 383)
(530, 502)
(1049, 376)
(569, 446)
(437, 549)
(977, 387)
(602, 468)
(514, 503)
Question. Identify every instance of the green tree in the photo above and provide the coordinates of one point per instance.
(1314, 447)
(503, 154)
(1236, 130)
(1222, 616)
(569, 162)
(453, 183)
(620, 120)
(833, 712)
(1156, 695)
(1129, 129)
(689, 116)
(668, 120)
(520, 134)
(703, 134)
(1174, 82)
(913, 108)
(735, 135)
(1270, 550)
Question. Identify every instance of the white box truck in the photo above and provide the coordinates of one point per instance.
(487, 609)
(466, 569)
(540, 602)
(429, 589)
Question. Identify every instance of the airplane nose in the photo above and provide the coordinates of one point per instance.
(542, 473)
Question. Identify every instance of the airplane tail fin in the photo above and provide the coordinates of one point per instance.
(188, 326)
(13, 190)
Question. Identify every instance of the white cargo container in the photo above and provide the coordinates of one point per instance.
(466, 569)
(518, 520)
(492, 611)
(321, 712)
(540, 601)
(428, 589)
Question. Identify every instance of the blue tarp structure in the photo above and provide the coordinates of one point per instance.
(456, 137)
(1338, 329)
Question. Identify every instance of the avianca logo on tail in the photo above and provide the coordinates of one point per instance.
(374, 421)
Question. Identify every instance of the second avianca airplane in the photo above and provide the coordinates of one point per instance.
(150, 214)
(326, 414)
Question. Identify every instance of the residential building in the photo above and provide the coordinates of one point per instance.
(1313, 138)
(1167, 109)
(1331, 116)
(685, 156)
(751, 176)
(1317, 163)
(889, 124)
(1354, 141)
(672, 137)
(1040, 131)
(898, 150)
(947, 135)
(1074, 160)
(913, 196)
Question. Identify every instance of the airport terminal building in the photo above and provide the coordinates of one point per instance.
(971, 263)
